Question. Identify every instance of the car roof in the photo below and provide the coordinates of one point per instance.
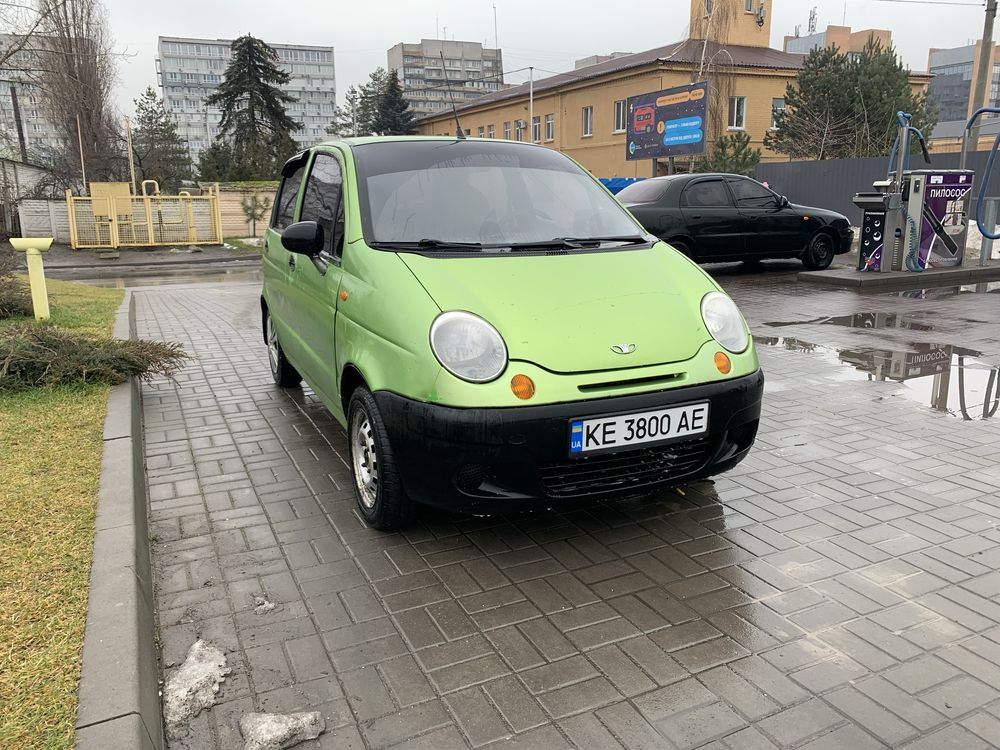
(696, 175)
(365, 140)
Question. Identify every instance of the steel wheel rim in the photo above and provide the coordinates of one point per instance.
(364, 457)
(272, 345)
(822, 247)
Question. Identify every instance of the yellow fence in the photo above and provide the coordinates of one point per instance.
(113, 218)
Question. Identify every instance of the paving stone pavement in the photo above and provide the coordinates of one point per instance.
(840, 588)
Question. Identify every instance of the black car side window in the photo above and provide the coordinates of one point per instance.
(752, 194)
(322, 201)
(706, 194)
(284, 213)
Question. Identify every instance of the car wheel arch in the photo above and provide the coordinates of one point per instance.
(688, 242)
(828, 231)
(350, 379)
(263, 318)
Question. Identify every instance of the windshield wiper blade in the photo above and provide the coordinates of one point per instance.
(575, 243)
(430, 244)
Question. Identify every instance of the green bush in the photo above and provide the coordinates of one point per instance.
(39, 356)
(15, 298)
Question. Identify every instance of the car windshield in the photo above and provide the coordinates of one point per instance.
(646, 191)
(437, 193)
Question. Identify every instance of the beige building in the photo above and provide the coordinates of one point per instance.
(841, 37)
(469, 71)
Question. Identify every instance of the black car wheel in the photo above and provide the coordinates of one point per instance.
(819, 253)
(682, 247)
(281, 369)
(381, 499)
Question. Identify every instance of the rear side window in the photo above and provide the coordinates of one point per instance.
(284, 213)
(751, 194)
(647, 191)
(323, 202)
(707, 194)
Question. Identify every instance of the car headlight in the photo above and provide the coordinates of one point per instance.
(468, 347)
(724, 322)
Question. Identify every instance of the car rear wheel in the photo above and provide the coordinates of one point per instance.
(382, 501)
(281, 369)
(682, 247)
(819, 253)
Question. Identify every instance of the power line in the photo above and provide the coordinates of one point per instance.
(931, 2)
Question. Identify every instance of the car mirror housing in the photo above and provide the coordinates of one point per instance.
(304, 238)
(783, 201)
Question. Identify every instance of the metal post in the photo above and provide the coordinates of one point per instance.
(83, 166)
(531, 102)
(984, 77)
(990, 219)
(131, 159)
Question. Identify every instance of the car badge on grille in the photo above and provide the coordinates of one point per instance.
(623, 348)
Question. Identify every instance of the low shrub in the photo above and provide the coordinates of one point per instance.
(38, 356)
(15, 297)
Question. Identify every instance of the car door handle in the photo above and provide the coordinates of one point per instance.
(291, 262)
(696, 216)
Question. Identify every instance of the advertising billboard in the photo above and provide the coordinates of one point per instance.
(667, 123)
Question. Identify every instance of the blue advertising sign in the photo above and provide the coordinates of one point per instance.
(667, 123)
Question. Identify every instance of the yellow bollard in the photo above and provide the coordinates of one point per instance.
(33, 247)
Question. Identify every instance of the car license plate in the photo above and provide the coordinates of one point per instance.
(605, 433)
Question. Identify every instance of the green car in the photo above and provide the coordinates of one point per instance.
(495, 332)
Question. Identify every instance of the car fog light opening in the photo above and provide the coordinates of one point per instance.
(722, 363)
(468, 347)
(724, 322)
(522, 386)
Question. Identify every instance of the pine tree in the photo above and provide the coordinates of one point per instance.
(160, 153)
(732, 154)
(372, 93)
(844, 106)
(215, 162)
(394, 116)
(254, 120)
(347, 122)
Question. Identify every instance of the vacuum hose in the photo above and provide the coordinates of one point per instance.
(987, 173)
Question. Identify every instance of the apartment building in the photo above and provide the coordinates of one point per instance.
(40, 133)
(189, 70)
(469, 70)
(841, 37)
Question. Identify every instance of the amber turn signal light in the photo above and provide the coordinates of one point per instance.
(722, 363)
(522, 386)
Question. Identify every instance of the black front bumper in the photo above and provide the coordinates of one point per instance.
(845, 241)
(497, 459)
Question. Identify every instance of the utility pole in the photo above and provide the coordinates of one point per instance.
(18, 123)
(531, 104)
(984, 75)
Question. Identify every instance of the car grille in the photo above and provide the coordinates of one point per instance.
(616, 472)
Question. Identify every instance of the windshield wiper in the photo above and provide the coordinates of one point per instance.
(429, 244)
(576, 243)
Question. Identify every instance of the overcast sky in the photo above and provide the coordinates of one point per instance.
(549, 35)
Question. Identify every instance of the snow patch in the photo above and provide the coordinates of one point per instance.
(261, 605)
(193, 686)
(279, 731)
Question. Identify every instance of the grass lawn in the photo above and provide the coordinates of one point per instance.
(50, 458)
(241, 244)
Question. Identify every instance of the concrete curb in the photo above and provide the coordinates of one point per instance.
(849, 278)
(119, 704)
(185, 261)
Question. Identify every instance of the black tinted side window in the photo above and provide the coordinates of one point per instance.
(750, 193)
(707, 194)
(289, 191)
(322, 201)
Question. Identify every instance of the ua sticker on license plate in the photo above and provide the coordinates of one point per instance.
(604, 433)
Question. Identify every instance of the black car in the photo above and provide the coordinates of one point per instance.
(727, 217)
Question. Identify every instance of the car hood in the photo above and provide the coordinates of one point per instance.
(565, 312)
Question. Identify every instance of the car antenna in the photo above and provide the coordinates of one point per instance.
(447, 83)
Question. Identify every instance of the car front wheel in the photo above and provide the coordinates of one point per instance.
(281, 369)
(819, 253)
(377, 487)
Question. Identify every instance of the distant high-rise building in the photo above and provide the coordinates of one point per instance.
(595, 59)
(472, 71)
(189, 70)
(20, 72)
(841, 37)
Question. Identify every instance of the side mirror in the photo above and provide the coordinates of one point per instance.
(782, 202)
(304, 238)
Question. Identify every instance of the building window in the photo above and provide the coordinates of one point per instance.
(491, 131)
(620, 118)
(708, 8)
(737, 112)
(588, 122)
(506, 130)
(519, 130)
(550, 127)
(777, 108)
(536, 128)
(748, 6)
(481, 131)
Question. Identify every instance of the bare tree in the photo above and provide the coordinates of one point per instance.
(77, 72)
(20, 22)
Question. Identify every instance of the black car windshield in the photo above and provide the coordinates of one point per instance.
(430, 193)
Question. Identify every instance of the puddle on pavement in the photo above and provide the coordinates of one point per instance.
(949, 379)
(122, 282)
(868, 320)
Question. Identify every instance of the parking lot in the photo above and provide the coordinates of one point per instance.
(838, 589)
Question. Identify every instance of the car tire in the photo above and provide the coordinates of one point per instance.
(378, 489)
(682, 247)
(819, 252)
(281, 369)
